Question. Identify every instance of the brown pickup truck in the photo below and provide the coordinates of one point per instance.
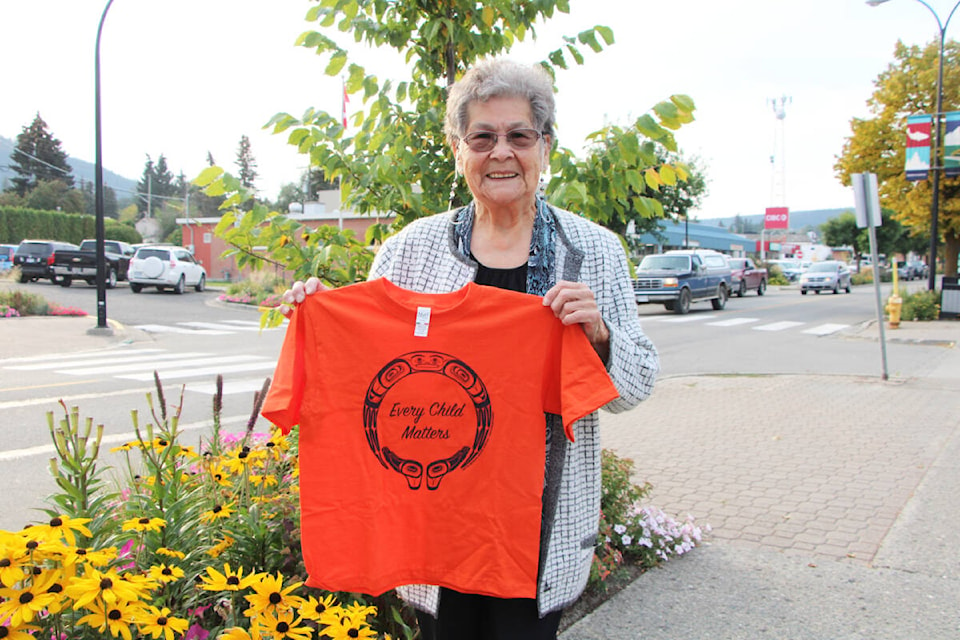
(747, 276)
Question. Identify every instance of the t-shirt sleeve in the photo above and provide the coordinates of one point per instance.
(580, 384)
(282, 406)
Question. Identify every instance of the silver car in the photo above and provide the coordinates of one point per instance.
(829, 275)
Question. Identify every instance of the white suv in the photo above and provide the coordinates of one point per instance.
(165, 267)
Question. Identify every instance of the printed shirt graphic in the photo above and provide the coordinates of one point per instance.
(422, 436)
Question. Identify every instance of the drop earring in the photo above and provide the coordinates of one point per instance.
(453, 187)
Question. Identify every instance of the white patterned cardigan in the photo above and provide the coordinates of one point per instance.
(424, 257)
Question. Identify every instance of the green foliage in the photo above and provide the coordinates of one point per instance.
(775, 275)
(19, 223)
(246, 164)
(156, 186)
(920, 305)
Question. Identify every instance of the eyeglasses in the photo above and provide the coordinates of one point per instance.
(482, 141)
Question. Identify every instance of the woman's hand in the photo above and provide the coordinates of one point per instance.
(574, 302)
(298, 292)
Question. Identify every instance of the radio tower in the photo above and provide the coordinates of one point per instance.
(778, 159)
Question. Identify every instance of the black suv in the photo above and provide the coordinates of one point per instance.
(35, 258)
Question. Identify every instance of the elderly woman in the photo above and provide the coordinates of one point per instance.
(500, 127)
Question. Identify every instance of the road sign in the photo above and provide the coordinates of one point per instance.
(776, 218)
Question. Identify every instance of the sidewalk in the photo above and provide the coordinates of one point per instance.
(833, 503)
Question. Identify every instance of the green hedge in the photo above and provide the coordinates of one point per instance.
(20, 223)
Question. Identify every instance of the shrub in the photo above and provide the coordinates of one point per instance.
(260, 288)
(26, 303)
(920, 305)
(775, 275)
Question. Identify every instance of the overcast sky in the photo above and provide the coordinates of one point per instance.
(186, 77)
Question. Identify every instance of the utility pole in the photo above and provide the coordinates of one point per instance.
(778, 163)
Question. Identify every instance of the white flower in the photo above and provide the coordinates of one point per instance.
(627, 540)
(620, 529)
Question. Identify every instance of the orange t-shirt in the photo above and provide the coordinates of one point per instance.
(422, 436)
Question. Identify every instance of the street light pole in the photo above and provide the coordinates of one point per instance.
(936, 166)
(102, 325)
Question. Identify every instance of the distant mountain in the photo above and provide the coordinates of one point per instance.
(82, 170)
(799, 220)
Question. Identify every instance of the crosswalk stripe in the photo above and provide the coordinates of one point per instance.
(778, 326)
(695, 318)
(219, 327)
(96, 364)
(164, 328)
(825, 329)
(161, 366)
(60, 357)
(733, 322)
(267, 365)
(230, 387)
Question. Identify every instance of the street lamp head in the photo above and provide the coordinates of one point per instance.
(876, 3)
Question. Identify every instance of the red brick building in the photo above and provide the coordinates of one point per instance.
(199, 237)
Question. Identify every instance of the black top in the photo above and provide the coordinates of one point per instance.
(514, 279)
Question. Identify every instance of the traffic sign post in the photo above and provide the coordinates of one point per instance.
(867, 201)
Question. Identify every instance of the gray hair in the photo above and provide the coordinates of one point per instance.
(500, 78)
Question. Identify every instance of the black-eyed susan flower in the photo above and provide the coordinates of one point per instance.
(159, 622)
(283, 625)
(216, 550)
(22, 605)
(312, 609)
(21, 632)
(83, 555)
(116, 617)
(268, 480)
(219, 473)
(12, 562)
(172, 553)
(144, 524)
(239, 633)
(345, 627)
(126, 446)
(60, 528)
(270, 595)
(164, 574)
(109, 586)
(52, 581)
(229, 580)
(218, 512)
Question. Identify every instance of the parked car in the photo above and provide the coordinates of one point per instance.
(35, 259)
(6, 256)
(746, 276)
(789, 267)
(165, 267)
(82, 263)
(678, 278)
(913, 270)
(829, 275)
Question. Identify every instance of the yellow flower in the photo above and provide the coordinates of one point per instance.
(109, 586)
(164, 574)
(52, 581)
(345, 626)
(226, 581)
(82, 555)
(283, 626)
(163, 551)
(312, 608)
(117, 617)
(239, 633)
(60, 528)
(127, 446)
(267, 480)
(220, 547)
(144, 524)
(12, 561)
(219, 512)
(159, 622)
(270, 596)
(243, 458)
(219, 473)
(22, 605)
(21, 632)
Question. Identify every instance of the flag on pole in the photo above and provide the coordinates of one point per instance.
(917, 155)
(346, 99)
(951, 145)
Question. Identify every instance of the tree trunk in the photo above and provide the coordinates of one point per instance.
(951, 247)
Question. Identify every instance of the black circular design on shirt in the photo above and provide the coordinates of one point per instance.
(427, 362)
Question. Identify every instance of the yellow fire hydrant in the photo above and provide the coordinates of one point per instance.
(894, 302)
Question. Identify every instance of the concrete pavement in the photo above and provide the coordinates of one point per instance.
(832, 499)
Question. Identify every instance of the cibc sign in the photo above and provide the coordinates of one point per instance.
(776, 218)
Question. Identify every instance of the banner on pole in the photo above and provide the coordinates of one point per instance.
(917, 156)
(776, 218)
(951, 145)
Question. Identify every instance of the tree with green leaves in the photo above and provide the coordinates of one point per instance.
(246, 164)
(877, 143)
(892, 237)
(157, 185)
(38, 157)
(394, 156)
